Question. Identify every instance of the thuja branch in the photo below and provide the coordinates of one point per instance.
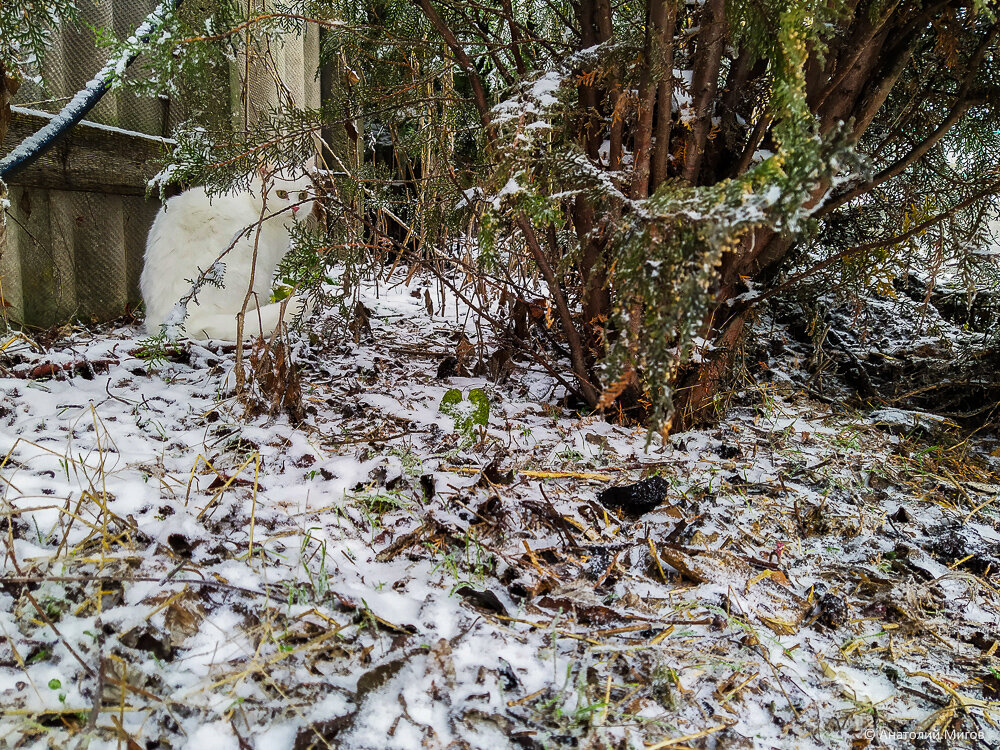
(964, 100)
(479, 92)
(992, 189)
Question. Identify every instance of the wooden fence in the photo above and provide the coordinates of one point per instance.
(78, 218)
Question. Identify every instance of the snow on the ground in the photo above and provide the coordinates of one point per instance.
(177, 576)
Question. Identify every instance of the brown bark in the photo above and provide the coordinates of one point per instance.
(843, 55)
(664, 99)
(756, 136)
(655, 21)
(964, 99)
(704, 84)
(595, 19)
(873, 96)
(595, 296)
(739, 74)
(515, 38)
(695, 398)
(486, 35)
(725, 155)
(577, 352)
(838, 105)
(458, 50)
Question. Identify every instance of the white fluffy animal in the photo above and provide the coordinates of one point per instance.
(192, 230)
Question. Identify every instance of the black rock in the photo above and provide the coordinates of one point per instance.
(900, 516)
(485, 600)
(494, 475)
(635, 499)
(508, 675)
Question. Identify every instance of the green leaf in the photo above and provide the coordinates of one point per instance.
(280, 292)
(481, 414)
(451, 399)
(467, 413)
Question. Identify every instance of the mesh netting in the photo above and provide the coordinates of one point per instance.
(281, 72)
(42, 236)
(74, 58)
(78, 254)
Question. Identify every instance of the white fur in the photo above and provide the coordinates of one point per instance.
(192, 230)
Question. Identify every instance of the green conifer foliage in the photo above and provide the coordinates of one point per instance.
(643, 173)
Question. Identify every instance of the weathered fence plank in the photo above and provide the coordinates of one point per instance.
(92, 158)
(137, 214)
(78, 219)
(48, 292)
(96, 223)
(10, 280)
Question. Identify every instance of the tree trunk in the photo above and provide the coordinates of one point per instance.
(655, 19)
(704, 84)
(664, 99)
(847, 78)
(588, 94)
(699, 387)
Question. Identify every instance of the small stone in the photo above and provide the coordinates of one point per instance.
(636, 499)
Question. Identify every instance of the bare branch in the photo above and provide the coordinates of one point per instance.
(457, 49)
(576, 349)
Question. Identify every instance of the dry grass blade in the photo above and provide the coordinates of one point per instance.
(678, 741)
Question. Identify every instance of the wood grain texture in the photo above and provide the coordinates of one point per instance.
(89, 158)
